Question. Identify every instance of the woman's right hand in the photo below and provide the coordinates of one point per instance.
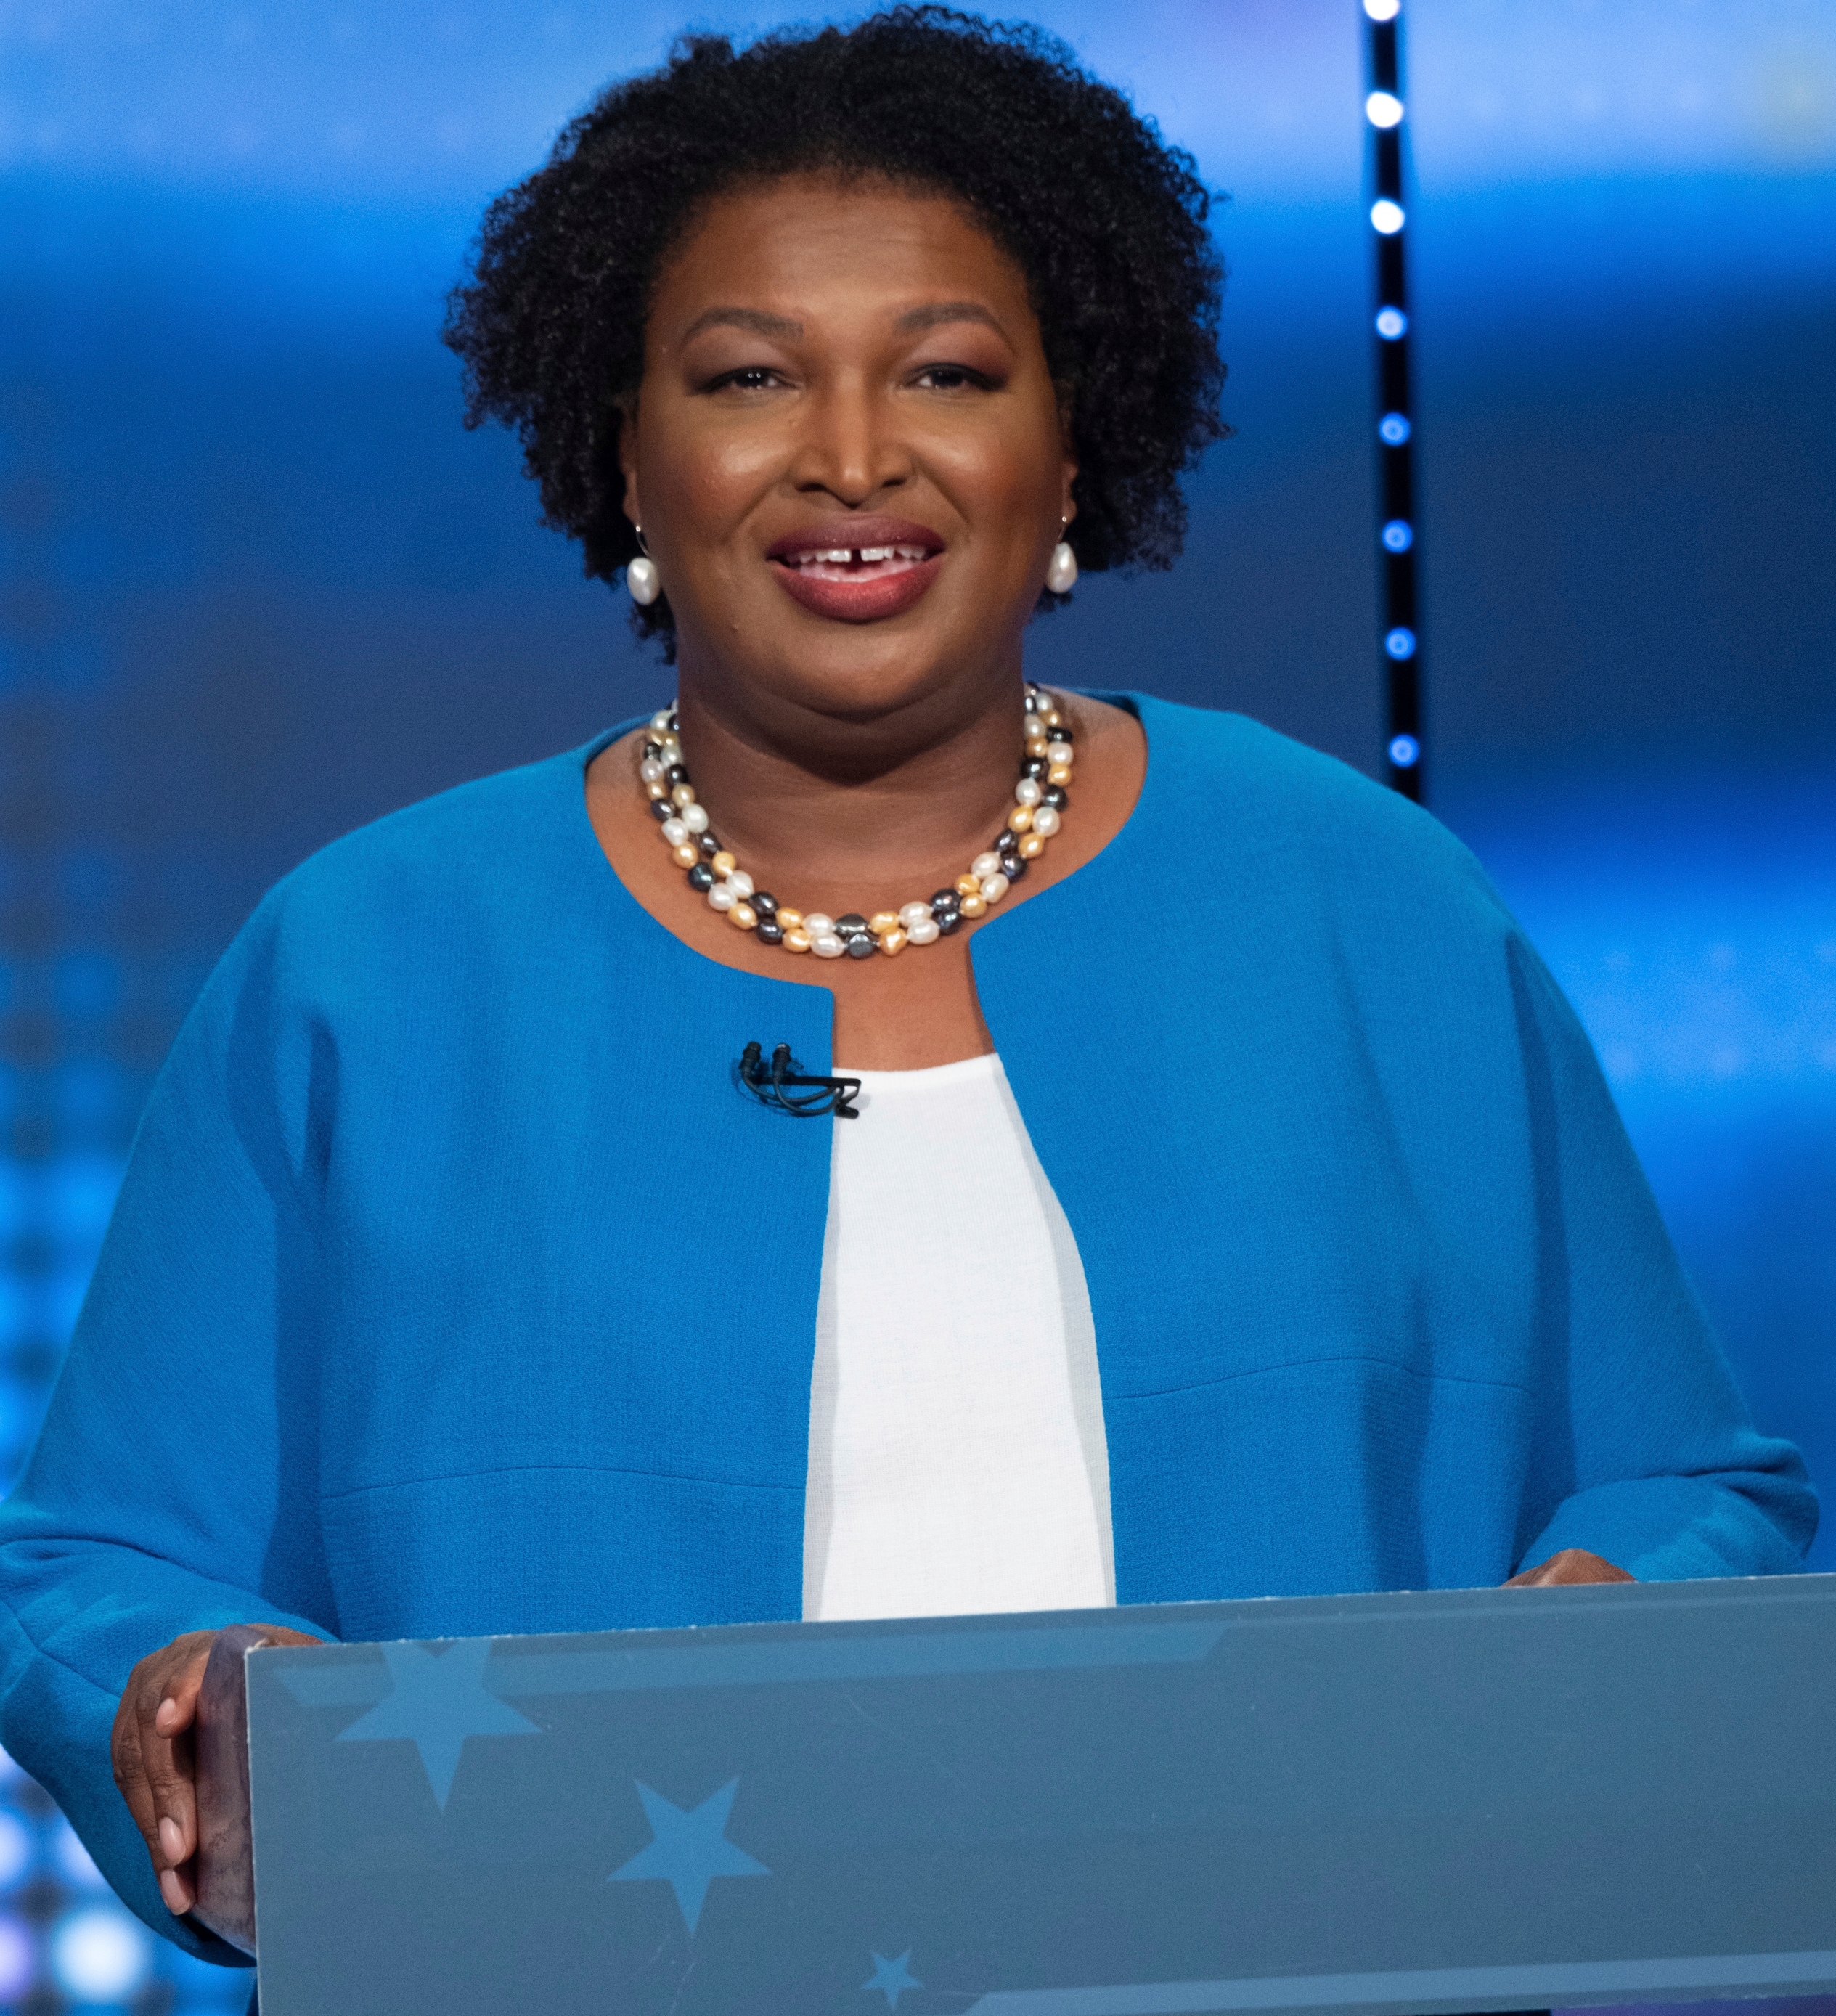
(153, 1753)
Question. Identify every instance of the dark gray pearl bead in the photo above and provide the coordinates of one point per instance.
(863, 946)
(701, 877)
(766, 906)
(1014, 865)
(1056, 796)
(948, 921)
(769, 931)
(708, 844)
(675, 774)
(853, 926)
(945, 899)
(1035, 766)
(1006, 842)
(661, 809)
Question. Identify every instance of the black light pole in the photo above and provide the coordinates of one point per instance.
(1400, 629)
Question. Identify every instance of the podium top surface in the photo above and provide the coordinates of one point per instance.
(1450, 1800)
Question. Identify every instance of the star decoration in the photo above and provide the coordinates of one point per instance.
(892, 1977)
(690, 1849)
(437, 1700)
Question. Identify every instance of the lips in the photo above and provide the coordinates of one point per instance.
(858, 570)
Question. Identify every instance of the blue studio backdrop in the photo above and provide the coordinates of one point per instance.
(257, 585)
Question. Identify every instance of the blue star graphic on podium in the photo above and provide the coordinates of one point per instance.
(439, 1699)
(691, 1849)
(892, 1976)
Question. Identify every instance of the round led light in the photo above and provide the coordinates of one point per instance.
(1383, 10)
(1397, 535)
(1391, 323)
(1393, 429)
(1384, 109)
(1400, 643)
(1405, 752)
(1386, 217)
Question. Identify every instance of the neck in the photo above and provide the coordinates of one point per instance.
(824, 807)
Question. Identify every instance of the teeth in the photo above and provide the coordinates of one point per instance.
(862, 556)
(870, 554)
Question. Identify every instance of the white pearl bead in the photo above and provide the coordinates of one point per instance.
(695, 817)
(984, 865)
(721, 898)
(819, 926)
(740, 883)
(1061, 571)
(1058, 752)
(641, 578)
(827, 946)
(922, 930)
(660, 720)
(675, 830)
(913, 915)
(650, 770)
(1046, 822)
(1028, 791)
(994, 887)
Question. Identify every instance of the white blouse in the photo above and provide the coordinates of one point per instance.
(957, 1461)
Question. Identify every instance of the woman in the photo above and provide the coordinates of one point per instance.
(1233, 1207)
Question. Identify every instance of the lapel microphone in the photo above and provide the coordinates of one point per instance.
(767, 1084)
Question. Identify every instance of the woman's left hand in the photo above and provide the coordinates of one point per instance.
(1571, 1564)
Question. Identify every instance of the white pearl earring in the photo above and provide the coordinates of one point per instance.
(641, 576)
(1061, 573)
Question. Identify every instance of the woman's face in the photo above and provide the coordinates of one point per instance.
(846, 452)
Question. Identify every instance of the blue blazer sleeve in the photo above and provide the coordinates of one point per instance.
(1641, 1431)
(162, 1495)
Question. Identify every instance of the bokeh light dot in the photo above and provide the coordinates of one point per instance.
(1383, 10)
(16, 1848)
(1386, 217)
(18, 1959)
(1391, 323)
(1398, 536)
(1405, 751)
(1394, 429)
(100, 1954)
(73, 1860)
(1400, 643)
(1384, 109)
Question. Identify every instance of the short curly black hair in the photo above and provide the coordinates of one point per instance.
(1108, 222)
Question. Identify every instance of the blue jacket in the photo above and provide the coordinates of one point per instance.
(455, 1287)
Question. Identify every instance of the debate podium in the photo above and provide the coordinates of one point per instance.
(1448, 1801)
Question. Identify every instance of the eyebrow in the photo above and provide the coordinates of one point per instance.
(914, 321)
(754, 319)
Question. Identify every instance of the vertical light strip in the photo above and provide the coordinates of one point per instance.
(1400, 627)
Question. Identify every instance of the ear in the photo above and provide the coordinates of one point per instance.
(628, 456)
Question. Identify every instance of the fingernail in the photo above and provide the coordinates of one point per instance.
(178, 1899)
(172, 1840)
(168, 1708)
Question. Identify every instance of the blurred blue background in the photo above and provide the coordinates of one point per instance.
(258, 585)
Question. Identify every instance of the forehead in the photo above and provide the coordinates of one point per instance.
(801, 244)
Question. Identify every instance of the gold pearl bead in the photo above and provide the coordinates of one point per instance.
(656, 789)
(683, 794)
(1020, 818)
(687, 855)
(1031, 847)
(743, 916)
(883, 921)
(1060, 773)
(892, 940)
(973, 905)
(796, 940)
(967, 885)
(792, 920)
(723, 864)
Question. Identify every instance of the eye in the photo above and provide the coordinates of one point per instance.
(749, 378)
(952, 378)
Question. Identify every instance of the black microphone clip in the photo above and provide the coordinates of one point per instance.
(766, 1083)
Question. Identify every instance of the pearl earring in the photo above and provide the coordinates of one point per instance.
(1061, 573)
(642, 578)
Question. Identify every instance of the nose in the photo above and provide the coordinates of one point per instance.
(850, 446)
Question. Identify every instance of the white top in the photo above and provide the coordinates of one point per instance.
(957, 1461)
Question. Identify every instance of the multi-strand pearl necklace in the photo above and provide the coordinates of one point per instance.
(1040, 799)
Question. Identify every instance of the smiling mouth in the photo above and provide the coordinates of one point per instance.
(861, 563)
